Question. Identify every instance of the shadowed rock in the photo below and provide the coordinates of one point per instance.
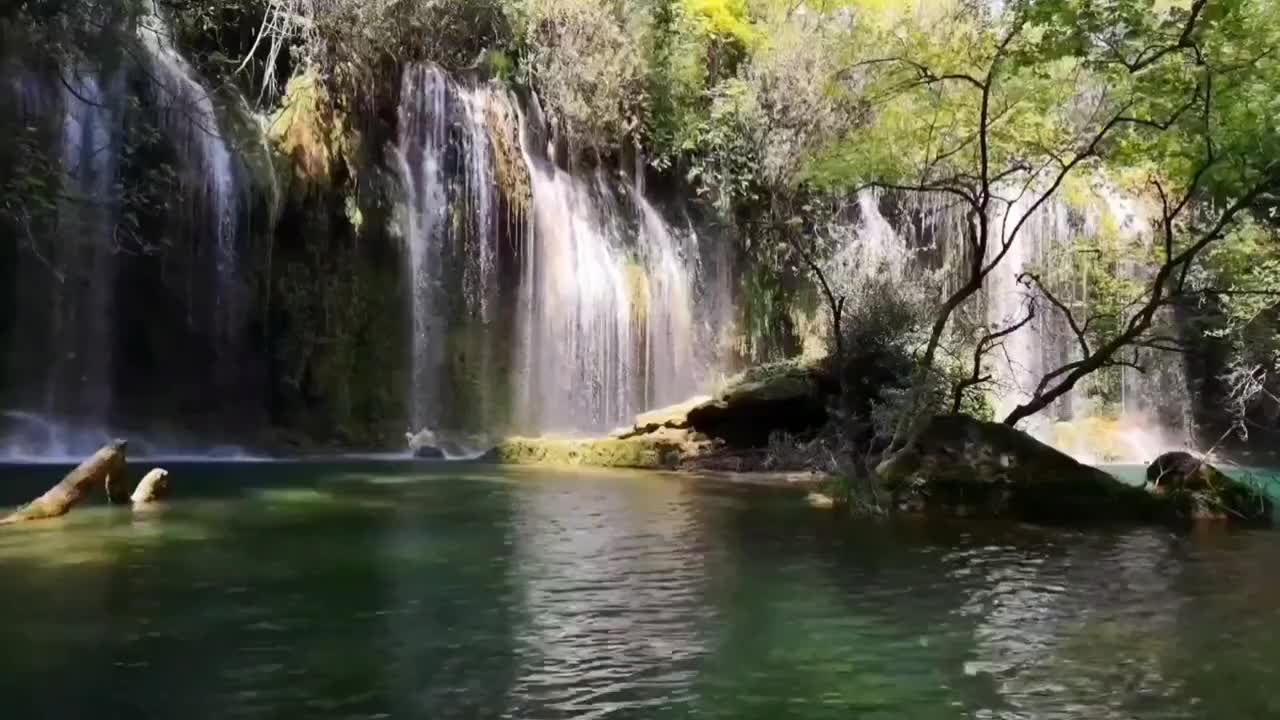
(424, 444)
(962, 466)
(1197, 490)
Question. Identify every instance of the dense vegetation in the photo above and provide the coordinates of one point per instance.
(776, 113)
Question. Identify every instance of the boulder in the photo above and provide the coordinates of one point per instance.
(428, 452)
(153, 487)
(673, 417)
(1199, 491)
(106, 468)
(781, 397)
(423, 444)
(962, 466)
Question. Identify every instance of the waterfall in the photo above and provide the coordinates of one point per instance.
(80, 381)
(209, 167)
(420, 153)
(1029, 353)
(592, 290)
(70, 272)
(609, 318)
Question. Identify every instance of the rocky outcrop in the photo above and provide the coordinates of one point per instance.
(674, 417)
(782, 397)
(787, 396)
(729, 431)
(1197, 490)
(106, 468)
(962, 466)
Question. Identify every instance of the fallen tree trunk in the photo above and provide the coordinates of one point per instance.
(106, 468)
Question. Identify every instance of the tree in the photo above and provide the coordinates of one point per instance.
(997, 110)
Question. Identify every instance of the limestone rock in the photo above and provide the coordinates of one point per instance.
(963, 466)
(675, 417)
(1199, 491)
(423, 444)
(106, 468)
(788, 397)
(657, 451)
(153, 487)
(428, 452)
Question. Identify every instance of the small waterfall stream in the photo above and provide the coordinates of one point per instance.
(208, 165)
(420, 153)
(80, 378)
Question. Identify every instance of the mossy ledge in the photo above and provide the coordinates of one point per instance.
(733, 425)
(649, 453)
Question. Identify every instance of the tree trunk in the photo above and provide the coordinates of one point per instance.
(106, 468)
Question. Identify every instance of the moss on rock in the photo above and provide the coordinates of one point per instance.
(959, 465)
(789, 396)
(660, 451)
(1196, 490)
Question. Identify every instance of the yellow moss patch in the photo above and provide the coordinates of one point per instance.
(309, 131)
(638, 290)
(652, 452)
(513, 174)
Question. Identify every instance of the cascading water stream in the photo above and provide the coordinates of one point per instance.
(607, 310)
(80, 383)
(190, 120)
(612, 301)
(420, 154)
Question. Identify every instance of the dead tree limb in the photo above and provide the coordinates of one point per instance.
(106, 468)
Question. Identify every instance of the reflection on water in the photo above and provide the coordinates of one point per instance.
(1042, 640)
(611, 583)
(402, 590)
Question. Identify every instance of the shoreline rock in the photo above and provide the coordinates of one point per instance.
(1196, 490)
(961, 466)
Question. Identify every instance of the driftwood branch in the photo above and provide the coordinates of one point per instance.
(106, 468)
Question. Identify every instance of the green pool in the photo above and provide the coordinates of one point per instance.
(398, 590)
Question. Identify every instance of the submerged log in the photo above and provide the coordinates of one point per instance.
(153, 487)
(106, 468)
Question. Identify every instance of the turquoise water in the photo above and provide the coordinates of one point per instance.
(365, 590)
